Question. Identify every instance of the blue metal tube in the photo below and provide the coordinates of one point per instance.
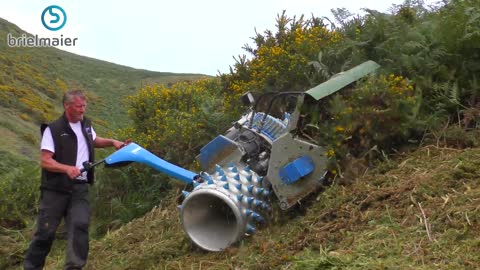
(134, 152)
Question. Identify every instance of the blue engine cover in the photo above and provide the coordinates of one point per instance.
(295, 170)
(213, 152)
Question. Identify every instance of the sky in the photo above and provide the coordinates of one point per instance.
(169, 36)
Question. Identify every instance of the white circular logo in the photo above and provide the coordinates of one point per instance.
(54, 18)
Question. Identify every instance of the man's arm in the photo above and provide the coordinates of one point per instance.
(48, 163)
(100, 142)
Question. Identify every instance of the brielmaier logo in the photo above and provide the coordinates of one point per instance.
(53, 18)
(56, 22)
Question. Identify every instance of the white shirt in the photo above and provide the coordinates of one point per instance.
(82, 148)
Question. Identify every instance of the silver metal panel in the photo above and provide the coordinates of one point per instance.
(285, 150)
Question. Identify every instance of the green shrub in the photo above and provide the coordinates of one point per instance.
(19, 190)
(367, 121)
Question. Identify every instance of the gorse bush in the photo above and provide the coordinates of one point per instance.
(176, 122)
(377, 115)
(281, 61)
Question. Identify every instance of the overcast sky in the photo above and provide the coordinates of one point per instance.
(170, 36)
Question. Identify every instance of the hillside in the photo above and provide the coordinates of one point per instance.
(419, 211)
(404, 147)
(32, 82)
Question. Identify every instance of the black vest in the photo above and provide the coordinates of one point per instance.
(65, 142)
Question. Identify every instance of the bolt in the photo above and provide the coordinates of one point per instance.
(283, 205)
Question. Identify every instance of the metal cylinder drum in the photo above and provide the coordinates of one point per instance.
(224, 207)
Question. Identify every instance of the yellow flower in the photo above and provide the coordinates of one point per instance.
(339, 129)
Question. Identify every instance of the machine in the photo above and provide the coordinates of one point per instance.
(257, 162)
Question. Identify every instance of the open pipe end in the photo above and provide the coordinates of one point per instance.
(212, 219)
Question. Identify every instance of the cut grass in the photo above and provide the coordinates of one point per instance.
(423, 214)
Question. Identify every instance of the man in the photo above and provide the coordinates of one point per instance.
(66, 144)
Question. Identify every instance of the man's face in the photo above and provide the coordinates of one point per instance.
(75, 110)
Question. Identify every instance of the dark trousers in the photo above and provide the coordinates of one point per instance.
(54, 206)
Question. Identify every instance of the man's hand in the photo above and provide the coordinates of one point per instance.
(102, 142)
(73, 172)
(118, 144)
(48, 163)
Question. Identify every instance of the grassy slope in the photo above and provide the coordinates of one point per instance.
(32, 82)
(377, 221)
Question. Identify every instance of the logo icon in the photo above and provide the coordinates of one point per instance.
(55, 19)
